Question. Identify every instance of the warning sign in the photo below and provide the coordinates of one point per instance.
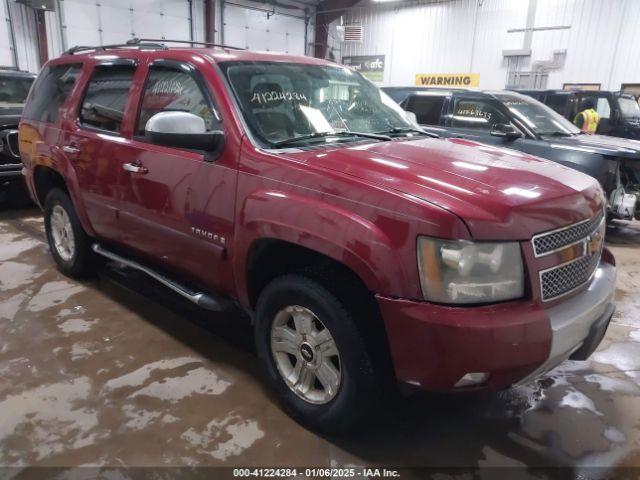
(448, 79)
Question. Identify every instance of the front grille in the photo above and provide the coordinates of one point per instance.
(12, 143)
(565, 278)
(9, 152)
(549, 242)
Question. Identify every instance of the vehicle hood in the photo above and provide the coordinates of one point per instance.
(10, 118)
(604, 145)
(500, 194)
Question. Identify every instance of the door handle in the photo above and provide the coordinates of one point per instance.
(70, 149)
(134, 168)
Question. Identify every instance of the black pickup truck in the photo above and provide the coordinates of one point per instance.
(512, 120)
(14, 88)
(619, 112)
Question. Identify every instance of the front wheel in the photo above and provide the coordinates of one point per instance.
(69, 244)
(314, 355)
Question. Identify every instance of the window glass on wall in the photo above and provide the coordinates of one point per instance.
(50, 92)
(173, 90)
(476, 114)
(106, 97)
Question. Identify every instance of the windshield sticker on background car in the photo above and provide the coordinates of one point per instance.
(473, 113)
(275, 96)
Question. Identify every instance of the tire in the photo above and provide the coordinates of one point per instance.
(71, 250)
(348, 401)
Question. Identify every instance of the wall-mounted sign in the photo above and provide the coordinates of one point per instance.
(371, 66)
(592, 87)
(448, 79)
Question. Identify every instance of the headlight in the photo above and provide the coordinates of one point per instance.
(462, 272)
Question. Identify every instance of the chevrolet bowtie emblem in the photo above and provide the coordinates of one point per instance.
(592, 244)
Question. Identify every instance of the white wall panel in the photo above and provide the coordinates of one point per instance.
(92, 22)
(81, 22)
(54, 34)
(6, 53)
(603, 43)
(24, 26)
(115, 22)
(254, 29)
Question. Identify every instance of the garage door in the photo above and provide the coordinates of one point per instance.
(89, 22)
(6, 54)
(256, 30)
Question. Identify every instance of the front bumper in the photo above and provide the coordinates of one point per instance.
(435, 346)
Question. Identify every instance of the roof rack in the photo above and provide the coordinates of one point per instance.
(136, 41)
(149, 43)
(85, 48)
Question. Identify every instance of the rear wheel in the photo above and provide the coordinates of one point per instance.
(314, 355)
(70, 245)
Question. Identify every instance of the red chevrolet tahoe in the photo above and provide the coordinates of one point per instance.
(366, 252)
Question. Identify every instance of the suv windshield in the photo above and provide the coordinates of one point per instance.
(629, 107)
(14, 91)
(537, 116)
(285, 103)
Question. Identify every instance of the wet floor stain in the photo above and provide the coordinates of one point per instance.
(116, 372)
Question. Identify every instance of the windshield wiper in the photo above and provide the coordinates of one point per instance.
(397, 130)
(340, 133)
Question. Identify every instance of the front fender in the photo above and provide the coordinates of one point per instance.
(339, 233)
(596, 165)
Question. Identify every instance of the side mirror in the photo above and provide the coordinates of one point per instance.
(506, 131)
(182, 130)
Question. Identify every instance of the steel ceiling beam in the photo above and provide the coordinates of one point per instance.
(210, 21)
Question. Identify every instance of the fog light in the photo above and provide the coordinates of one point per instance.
(470, 379)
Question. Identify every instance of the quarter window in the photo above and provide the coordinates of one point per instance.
(476, 114)
(169, 89)
(50, 92)
(104, 103)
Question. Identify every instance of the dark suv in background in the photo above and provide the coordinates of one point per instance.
(619, 112)
(516, 121)
(14, 88)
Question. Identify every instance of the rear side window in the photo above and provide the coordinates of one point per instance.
(104, 102)
(170, 89)
(558, 103)
(50, 91)
(603, 107)
(426, 108)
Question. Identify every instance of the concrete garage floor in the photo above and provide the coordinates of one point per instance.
(117, 372)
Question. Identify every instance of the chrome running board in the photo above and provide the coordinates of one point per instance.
(203, 300)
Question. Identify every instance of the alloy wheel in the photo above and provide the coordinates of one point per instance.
(306, 354)
(62, 233)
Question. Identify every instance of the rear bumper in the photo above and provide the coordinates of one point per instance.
(434, 346)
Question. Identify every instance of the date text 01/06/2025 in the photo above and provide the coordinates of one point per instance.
(316, 472)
